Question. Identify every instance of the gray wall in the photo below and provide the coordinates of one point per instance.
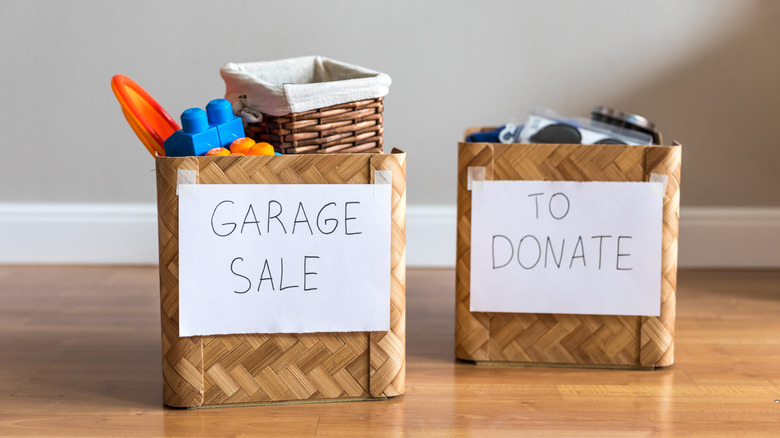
(705, 70)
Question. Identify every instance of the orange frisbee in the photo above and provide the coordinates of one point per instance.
(150, 122)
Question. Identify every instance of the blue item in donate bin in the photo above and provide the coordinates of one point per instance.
(486, 136)
(229, 127)
(204, 130)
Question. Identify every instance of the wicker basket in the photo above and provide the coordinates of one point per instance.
(309, 104)
(346, 128)
(573, 340)
(271, 368)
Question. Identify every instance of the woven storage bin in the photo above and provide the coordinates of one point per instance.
(346, 128)
(269, 368)
(575, 340)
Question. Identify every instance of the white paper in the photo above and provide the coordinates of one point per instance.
(286, 258)
(567, 247)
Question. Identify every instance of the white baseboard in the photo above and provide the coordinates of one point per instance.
(746, 238)
(78, 233)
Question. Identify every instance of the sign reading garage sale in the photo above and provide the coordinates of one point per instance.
(287, 258)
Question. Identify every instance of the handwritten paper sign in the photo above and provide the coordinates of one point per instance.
(284, 258)
(566, 247)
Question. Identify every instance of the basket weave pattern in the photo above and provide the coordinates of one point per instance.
(349, 127)
(267, 368)
(623, 341)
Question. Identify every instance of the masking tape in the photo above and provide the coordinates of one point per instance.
(383, 181)
(658, 178)
(186, 180)
(476, 179)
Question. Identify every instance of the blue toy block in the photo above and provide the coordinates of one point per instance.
(195, 138)
(229, 127)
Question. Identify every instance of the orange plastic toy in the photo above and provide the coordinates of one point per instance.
(241, 145)
(261, 149)
(217, 152)
(150, 122)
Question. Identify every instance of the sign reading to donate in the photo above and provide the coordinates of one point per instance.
(566, 247)
(284, 258)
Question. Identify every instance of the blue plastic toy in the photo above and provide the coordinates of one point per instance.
(229, 127)
(204, 130)
(195, 138)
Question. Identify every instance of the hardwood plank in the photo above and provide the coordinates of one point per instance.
(80, 356)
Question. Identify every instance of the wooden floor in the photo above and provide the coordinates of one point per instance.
(80, 356)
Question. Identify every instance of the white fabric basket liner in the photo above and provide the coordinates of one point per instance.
(296, 85)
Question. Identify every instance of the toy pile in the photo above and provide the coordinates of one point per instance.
(291, 106)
